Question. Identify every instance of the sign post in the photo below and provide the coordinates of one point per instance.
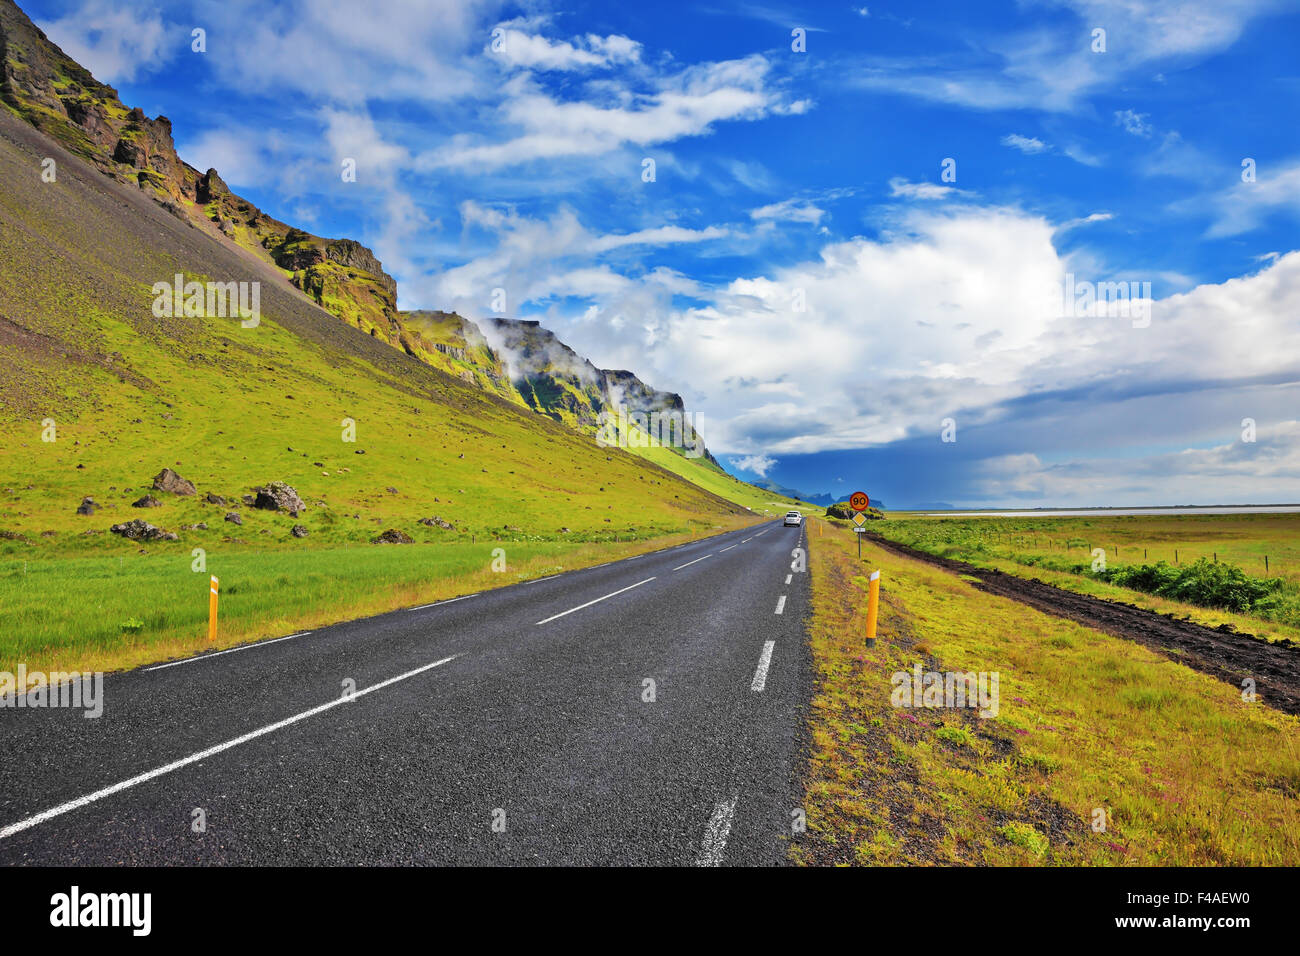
(859, 501)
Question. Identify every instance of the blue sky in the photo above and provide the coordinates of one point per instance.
(798, 268)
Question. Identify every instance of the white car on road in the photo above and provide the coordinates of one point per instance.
(793, 518)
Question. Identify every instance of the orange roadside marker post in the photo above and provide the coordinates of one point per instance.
(212, 608)
(873, 604)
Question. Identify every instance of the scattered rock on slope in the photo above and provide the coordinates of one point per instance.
(137, 529)
(148, 501)
(436, 522)
(168, 480)
(393, 536)
(87, 506)
(278, 496)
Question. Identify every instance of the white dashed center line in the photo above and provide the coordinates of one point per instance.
(788, 577)
(597, 601)
(728, 549)
(764, 662)
(689, 563)
(780, 605)
(716, 833)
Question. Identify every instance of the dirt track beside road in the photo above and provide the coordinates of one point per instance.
(1221, 652)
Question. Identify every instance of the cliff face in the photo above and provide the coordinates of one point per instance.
(550, 377)
(553, 379)
(60, 97)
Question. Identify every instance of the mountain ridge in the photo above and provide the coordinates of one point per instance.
(62, 99)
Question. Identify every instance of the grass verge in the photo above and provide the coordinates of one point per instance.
(1174, 764)
(109, 613)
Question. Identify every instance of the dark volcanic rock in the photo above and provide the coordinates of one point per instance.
(131, 153)
(234, 518)
(278, 496)
(148, 501)
(349, 252)
(138, 529)
(436, 522)
(168, 480)
(210, 187)
(87, 506)
(212, 499)
(299, 531)
(393, 536)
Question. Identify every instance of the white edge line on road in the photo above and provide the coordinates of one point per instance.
(780, 605)
(696, 561)
(549, 577)
(716, 833)
(597, 601)
(231, 650)
(463, 597)
(764, 662)
(205, 754)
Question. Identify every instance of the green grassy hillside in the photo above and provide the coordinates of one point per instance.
(98, 395)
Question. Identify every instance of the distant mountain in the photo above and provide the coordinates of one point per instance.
(516, 360)
(825, 500)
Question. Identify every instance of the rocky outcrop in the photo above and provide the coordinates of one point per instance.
(278, 496)
(167, 480)
(353, 255)
(211, 188)
(393, 536)
(62, 98)
(140, 530)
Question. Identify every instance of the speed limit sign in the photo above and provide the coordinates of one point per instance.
(859, 501)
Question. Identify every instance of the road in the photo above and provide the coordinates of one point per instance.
(515, 726)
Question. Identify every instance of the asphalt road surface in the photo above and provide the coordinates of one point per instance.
(515, 726)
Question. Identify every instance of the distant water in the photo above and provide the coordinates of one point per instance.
(1122, 512)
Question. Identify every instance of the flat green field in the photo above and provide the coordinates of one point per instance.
(108, 612)
(1061, 551)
